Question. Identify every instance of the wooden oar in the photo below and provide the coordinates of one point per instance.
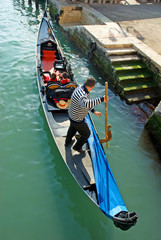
(106, 106)
(108, 135)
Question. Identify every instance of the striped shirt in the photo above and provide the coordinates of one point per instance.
(81, 104)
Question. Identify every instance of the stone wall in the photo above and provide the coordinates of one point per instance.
(90, 18)
(73, 14)
(77, 15)
(153, 126)
(70, 14)
(151, 61)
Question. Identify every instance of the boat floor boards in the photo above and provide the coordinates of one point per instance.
(79, 163)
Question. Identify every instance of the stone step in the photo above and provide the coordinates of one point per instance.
(115, 59)
(141, 86)
(134, 81)
(120, 51)
(106, 44)
(133, 75)
(129, 66)
(142, 97)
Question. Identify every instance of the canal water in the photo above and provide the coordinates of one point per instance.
(39, 200)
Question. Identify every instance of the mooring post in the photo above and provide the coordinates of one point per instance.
(37, 4)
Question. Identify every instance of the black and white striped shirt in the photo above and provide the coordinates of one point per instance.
(81, 104)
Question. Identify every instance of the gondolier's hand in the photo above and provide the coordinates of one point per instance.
(106, 100)
(97, 113)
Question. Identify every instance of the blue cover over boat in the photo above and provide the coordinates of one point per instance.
(109, 197)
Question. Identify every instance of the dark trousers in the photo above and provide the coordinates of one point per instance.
(82, 128)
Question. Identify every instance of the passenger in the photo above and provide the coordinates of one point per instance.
(65, 79)
(53, 77)
(57, 72)
(58, 75)
(47, 79)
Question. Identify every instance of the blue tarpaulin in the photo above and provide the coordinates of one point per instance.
(109, 197)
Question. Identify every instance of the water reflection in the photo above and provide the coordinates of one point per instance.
(30, 6)
(148, 149)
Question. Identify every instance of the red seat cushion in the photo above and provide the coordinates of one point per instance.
(48, 59)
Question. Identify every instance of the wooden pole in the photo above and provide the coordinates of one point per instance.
(106, 106)
(37, 4)
(108, 134)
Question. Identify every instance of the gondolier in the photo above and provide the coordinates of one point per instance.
(80, 105)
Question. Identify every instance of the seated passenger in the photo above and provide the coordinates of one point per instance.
(47, 79)
(65, 79)
(58, 75)
(53, 77)
(57, 72)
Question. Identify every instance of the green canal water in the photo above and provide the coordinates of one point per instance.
(39, 200)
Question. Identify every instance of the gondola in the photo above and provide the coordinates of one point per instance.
(90, 169)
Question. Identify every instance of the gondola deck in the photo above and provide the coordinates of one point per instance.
(79, 163)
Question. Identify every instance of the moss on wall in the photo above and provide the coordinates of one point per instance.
(153, 126)
(156, 72)
(52, 10)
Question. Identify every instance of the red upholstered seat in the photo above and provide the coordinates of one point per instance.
(48, 58)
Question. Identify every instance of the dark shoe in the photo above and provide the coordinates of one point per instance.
(69, 143)
(80, 150)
